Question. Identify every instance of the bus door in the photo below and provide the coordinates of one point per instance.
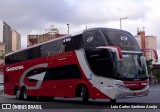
(100, 62)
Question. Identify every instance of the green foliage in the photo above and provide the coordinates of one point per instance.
(149, 65)
(2, 54)
(149, 61)
(156, 73)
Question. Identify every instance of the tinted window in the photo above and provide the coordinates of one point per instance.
(54, 47)
(33, 53)
(73, 43)
(51, 48)
(93, 39)
(58, 73)
(10, 59)
(101, 63)
(21, 56)
(67, 44)
(76, 42)
(64, 72)
(122, 39)
(24, 55)
(99, 60)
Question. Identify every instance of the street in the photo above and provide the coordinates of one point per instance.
(67, 105)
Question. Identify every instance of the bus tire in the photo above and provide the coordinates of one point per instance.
(112, 101)
(84, 94)
(18, 95)
(24, 94)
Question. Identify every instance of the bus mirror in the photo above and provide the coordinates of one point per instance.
(153, 51)
(115, 49)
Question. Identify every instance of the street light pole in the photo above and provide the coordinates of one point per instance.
(68, 28)
(121, 22)
(86, 26)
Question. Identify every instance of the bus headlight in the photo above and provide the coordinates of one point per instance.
(122, 87)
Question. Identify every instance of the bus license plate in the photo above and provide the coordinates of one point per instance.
(137, 93)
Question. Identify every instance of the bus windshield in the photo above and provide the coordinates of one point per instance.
(132, 66)
(122, 39)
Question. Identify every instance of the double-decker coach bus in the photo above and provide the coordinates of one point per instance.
(96, 63)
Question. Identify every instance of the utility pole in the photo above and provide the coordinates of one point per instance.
(121, 22)
(68, 28)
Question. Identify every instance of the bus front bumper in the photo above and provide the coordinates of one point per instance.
(127, 93)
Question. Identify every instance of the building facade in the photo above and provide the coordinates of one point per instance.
(151, 42)
(16, 40)
(10, 40)
(138, 38)
(5, 36)
(2, 51)
(50, 34)
(147, 42)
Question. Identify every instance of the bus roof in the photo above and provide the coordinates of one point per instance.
(62, 37)
(74, 34)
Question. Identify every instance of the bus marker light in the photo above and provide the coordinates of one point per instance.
(90, 77)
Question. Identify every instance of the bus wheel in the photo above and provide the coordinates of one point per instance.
(24, 94)
(113, 101)
(18, 96)
(84, 94)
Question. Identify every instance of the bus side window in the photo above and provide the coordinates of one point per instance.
(32, 53)
(52, 48)
(76, 42)
(10, 59)
(73, 43)
(67, 43)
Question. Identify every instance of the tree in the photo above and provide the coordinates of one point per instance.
(149, 65)
(156, 72)
(2, 54)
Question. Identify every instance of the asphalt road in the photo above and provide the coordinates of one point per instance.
(75, 105)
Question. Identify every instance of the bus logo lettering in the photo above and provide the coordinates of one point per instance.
(67, 40)
(14, 68)
(124, 38)
(89, 39)
(38, 77)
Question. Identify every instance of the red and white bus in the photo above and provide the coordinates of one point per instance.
(96, 63)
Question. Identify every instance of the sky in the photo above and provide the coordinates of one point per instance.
(34, 16)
